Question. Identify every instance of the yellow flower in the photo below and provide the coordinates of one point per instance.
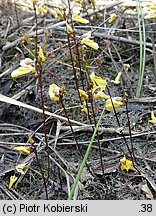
(54, 92)
(112, 17)
(98, 93)
(26, 37)
(30, 140)
(153, 118)
(127, 66)
(34, 1)
(21, 71)
(126, 164)
(84, 108)
(23, 149)
(20, 168)
(98, 80)
(90, 43)
(83, 94)
(62, 89)
(79, 19)
(117, 79)
(27, 66)
(41, 9)
(117, 102)
(126, 95)
(150, 16)
(13, 179)
(152, 7)
(69, 28)
(41, 54)
(58, 12)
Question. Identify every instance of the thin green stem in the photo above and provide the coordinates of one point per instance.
(85, 157)
(142, 47)
(98, 140)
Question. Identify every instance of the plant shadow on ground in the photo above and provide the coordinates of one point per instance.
(17, 123)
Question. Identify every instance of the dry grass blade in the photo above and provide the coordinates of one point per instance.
(12, 101)
(58, 129)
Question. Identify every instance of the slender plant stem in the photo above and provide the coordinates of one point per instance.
(36, 35)
(77, 144)
(131, 155)
(70, 50)
(98, 140)
(42, 174)
(129, 127)
(43, 117)
(73, 67)
(142, 47)
(118, 122)
(81, 74)
(85, 157)
(39, 69)
(17, 19)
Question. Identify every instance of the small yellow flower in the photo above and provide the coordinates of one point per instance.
(126, 95)
(41, 54)
(152, 7)
(26, 37)
(54, 92)
(90, 43)
(79, 19)
(126, 164)
(20, 168)
(30, 140)
(23, 149)
(84, 108)
(98, 80)
(117, 102)
(127, 66)
(27, 66)
(34, 1)
(98, 93)
(58, 12)
(117, 79)
(150, 16)
(69, 28)
(13, 179)
(62, 89)
(42, 9)
(153, 118)
(21, 71)
(83, 94)
(112, 17)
